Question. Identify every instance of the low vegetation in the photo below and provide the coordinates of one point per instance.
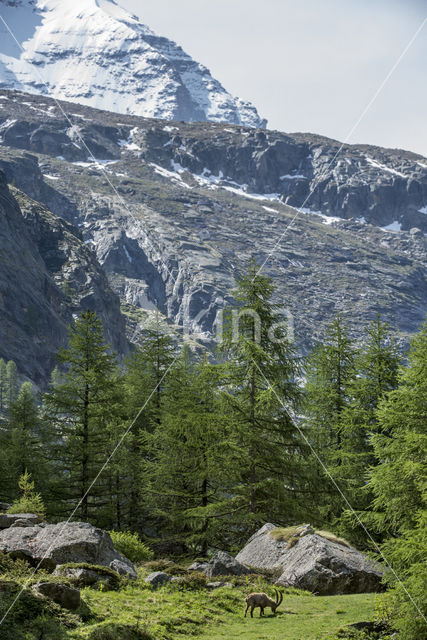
(131, 546)
(291, 535)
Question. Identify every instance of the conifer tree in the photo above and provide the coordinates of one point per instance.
(376, 369)
(146, 377)
(261, 392)
(398, 483)
(22, 441)
(84, 412)
(190, 477)
(329, 375)
(12, 383)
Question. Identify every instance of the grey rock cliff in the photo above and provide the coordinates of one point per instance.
(47, 276)
(175, 210)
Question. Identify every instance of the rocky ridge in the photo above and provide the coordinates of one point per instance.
(172, 214)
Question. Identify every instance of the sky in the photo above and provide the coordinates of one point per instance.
(311, 65)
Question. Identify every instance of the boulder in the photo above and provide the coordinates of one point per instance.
(325, 567)
(52, 544)
(223, 564)
(123, 567)
(218, 584)
(64, 595)
(18, 520)
(262, 552)
(85, 577)
(198, 566)
(4, 506)
(157, 579)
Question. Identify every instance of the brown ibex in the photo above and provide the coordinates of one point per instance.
(262, 601)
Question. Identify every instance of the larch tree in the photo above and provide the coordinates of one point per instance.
(83, 407)
(329, 375)
(191, 474)
(376, 367)
(261, 392)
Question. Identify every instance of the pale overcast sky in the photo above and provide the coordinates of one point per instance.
(310, 65)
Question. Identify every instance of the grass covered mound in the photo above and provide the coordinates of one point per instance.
(291, 535)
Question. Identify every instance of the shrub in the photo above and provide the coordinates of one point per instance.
(30, 501)
(131, 546)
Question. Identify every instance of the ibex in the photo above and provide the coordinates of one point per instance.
(262, 600)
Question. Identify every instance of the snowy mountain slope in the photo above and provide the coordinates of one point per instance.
(96, 53)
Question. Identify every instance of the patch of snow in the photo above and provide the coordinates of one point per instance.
(422, 164)
(7, 123)
(325, 219)
(297, 176)
(384, 167)
(174, 176)
(47, 175)
(394, 226)
(169, 129)
(93, 162)
(127, 254)
(270, 209)
(423, 209)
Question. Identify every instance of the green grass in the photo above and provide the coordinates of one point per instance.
(299, 618)
(181, 611)
(178, 610)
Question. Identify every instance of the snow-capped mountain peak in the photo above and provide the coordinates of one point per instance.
(96, 53)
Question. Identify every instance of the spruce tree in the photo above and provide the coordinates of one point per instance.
(261, 393)
(398, 483)
(85, 415)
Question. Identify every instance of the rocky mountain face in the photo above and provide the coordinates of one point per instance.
(47, 276)
(96, 53)
(173, 211)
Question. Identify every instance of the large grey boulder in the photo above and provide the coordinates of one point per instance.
(18, 519)
(85, 577)
(262, 552)
(52, 544)
(325, 567)
(158, 579)
(223, 564)
(64, 595)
